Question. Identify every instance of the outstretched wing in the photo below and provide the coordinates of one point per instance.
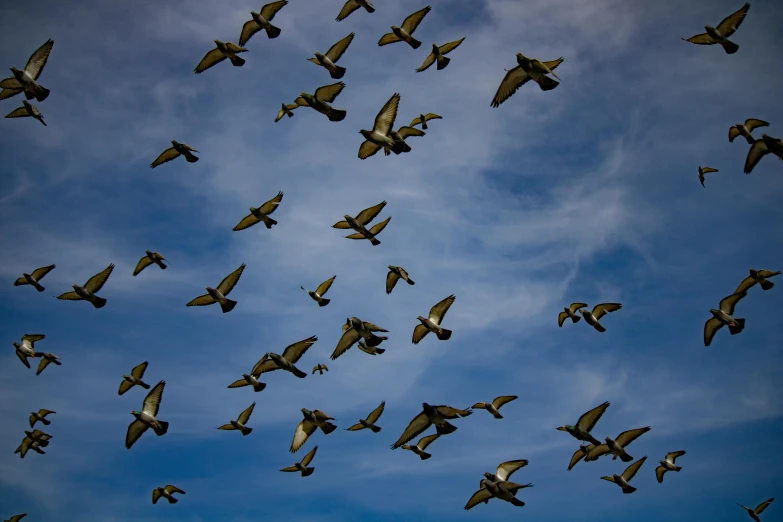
(391, 280)
(245, 415)
(503, 399)
(416, 426)
(413, 20)
(384, 120)
(143, 263)
(336, 51)
(368, 214)
(438, 312)
(427, 63)
(728, 303)
(153, 398)
(761, 507)
(376, 413)
(324, 287)
(349, 337)
(230, 281)
(269, 11)
(294, 352)
(479, 496)
(96, 282)
(309, 457)
(710, 327)
(627, 437)
(506, 469)
(135, 430)
(38, 59)
(757, 151)
(167, 155)
(601, 310)
(328, 93)
(731, 23)
(631, 470)
(426, 441)
(448, 47)
(38, 273)
(349, 7)
(271, 205)
(672, 455)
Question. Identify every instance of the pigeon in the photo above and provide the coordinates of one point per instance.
(321, 99)
(579, 454)
(16, 518)
(754, 513)
(222, 51)
(352, 5)
(404, 32)
(668, 465)
(286, 110)
(317, 296)
(38, 436)
(761, 148)
(423, 119)
(379, 135)
(90, 288)
(26, 80)
(432, 322)
(218, 295)
(320, 368)
(261, 20)
(177, 149)
(420, 446)
(354, 330)
(598, 312)
(502, 490)
(27, 348)
(261, 214)
(395, 274)
(494, 406)
(307, 426)
(328, 60)
(33, 441)
(134, 379)
(617, 446)
(166, 492)
(27, 110)
(526, 69)
(505, 470)
(438, 53)
(720, 35)
(148, 259)
(40, 415)
(272, 361)
(430, 415)
(145, 418)
(703, 171)
(361, 220)
(251, 379)
(628, 474)
(570, 311)
(239, 424)
(370, 421)
(588, 420)
(757, 276)
(34, 278)
(45, 360)
(398, 136)
(371, 350)
(744, 129)
(302, 464)
(7, 93)
(723, 316)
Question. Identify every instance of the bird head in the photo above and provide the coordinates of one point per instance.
(523, 60)
(306, 412)
(320, 57)
(218, 43)
(583, 311)
(16, 71)
(426, 407)
(565, 428)
(434, 47)
(136, 414)
(365, 133)
(488, 475)
(395, 30)
(714, 311)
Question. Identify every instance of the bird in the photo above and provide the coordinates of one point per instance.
(317, 296)
(286, 110)
(354, 329)
(272, 361)
(302, 464)
(579, 454)
(134, 379)
(34, 278)
(668, 465)
(30, 444)
(628, 474)
(570, 311)
(27, 110)
(526, 69)
(320, 368)
(251, 379)
(720, 35)
(370, 421)
(16, 518)
(422, 119)
(90, 288)
(585, 424)
(218, 295)
(371, 350)
(8, 93)
(399, 136)
(723, 316)
(505, 470)
(437, 415)
(761, 148)
(361, 220)
(239, 424)
(432, 322)
(222, 51)
(26, 79)
(404, 32)
(352, 5)
(27, 348)
(494, 406)
(616, 446)
(598, 312)
(757, 276)
(754, 513)
(744, 129)
(395, 274)
(262, 20)
(148, 259)
(40, 415)
(261, 214)
(438, 53)
(307, 426)
(703, 171)
(420, 446)
(38, 436)
(45, 360)
(328, 60)
(502, 490)
(146, 418)
(379, 135)
(321, 99)
(166, 492)
(176, 150)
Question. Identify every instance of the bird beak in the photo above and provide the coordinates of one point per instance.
(561, 428)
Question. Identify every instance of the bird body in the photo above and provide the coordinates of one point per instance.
(526, 69)
(218, 295)
(437, 415)
(703, 171)
(744, 129)
(293, 352)
(34, 278)
(262, 21)
(146, 417)
(720, 34)
(754, 513)
(570, 312)
(404, 32)
(149, 259)
(420, 446)
(320, 101)
(301, 466)
(627, 475)
(40, 416)
(588, 420)
(166, 492)
(134, 379)
(494, 406)
(239, 423)
(335, 52)
(90, 288)
(501, 490)
(616, 446)
(27, 348)
(319, 292)
(25, 80)
(722, 316)
(431, 323)
(362, 219)
(598, 312)
(27, 110)
(320, 368)
(395, 274)
(285, 110)
(46, 359)
(352, 5)
(307, 426)
(221, 51)
(667, 464)
(369, 422)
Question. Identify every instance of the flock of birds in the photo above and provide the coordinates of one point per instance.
(356, 331)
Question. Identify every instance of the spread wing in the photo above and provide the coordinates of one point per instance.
(745, 285)
(96, 282)
(578, 455)
(173, 489)
(376, 228)
(407, 132)
(349, 337)
(211, 58)
(733, 133)
(367, 149)
(561, 317)
(701, 39)
(731, 23)
(19, 112)
(602, 309)
(152, 400)
(309, 457)
(269, 11)
(139, 370)
(265, 364)
(271, 205)
(753, 123)
(143, 263)
(295, 351)
(33, 338)
(7, 93)
(710, 327)
(239, 383)
(659, 472)
(202, 300)
(576, 306)
(626, 437)
(43, 364)
(245, 415)
(373, 327)
(506, 469)
(413, 20)
(427, 63)
(672, 455)
(356, 427)
(23, 358)
(503, 399)
(328, 93)
(757, 151)
(135, 430)
(426, 441)
(324, 287)
(248, 30)
(416, 426)
(448, 47)
(368, 214)
(376, 413)
(387, 39)
(10, 84)
(384, 121)
(349, 7)
(38, 59)
(230, 281)
(452, 413)
(391, 280)
(761, 507)
(596, 451)
(479, 496)
(728, 303)
(167, 155)
(438, 312)
(247, 221)
(631, 470)
(336, 51)
(419, 332)
(304, 429)
(124, 386)
(767, 273)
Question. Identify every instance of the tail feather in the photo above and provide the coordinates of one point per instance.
(338, 73)
(237, 61)
(766, 285)
(246, 431)
(599, 328)
(730, 47)
(272, 31)
(46, 422)
(228, 306)
(411, 282)
(259, 387)
(677, 468)
(415, 43)
(626, 457)
(446, 428)
(173, 500)
(307, 472)
(328, 428)
(629, 489)
(547, 84)
(424, 456)
(164, 427)
(740, 325)
(374, 340)
(575, 319)
(517, 502)
(269, 222)
(30, 95)
(380, 350)
(144, 385)
(375, 429)
(41, 95)
(41, 289)
(324, 302)
(444, 335)
(375, 241)
(190, 158)
(443, 61)
(299, 373)
(99, 302)
(497, 415)
(336, 115)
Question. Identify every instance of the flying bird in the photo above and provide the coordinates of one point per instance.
(218, 295)
(720, 35)
(369, 422)
(27, 348)
(420, 446)
(34, 278)
(27, 110)
(261, 214)
(354, 329)
(222, 51)
(526, 69)
(502, 490)
(744, 129)
(176, 150)
(352, 5)
(251, 379)
(328, 61)
(361, 220)
(422, 119)
(262, 20)
(579, 454)
(494, 406)
(404, 32)
(437, 55)
(379, 135)
(307, 426)
(761, 148)
(166, 492)
(754, 513)
(505, 470)
(148, 259)
(293, 352)
(146, 418)
(134, 379)
(90, 288)
(45, 360)
(570, 311)
(617, 446)
(371, 350)
(26, 79)
(302, 464)
(286, 110)
(723, 317)
(668, 465)
(34, 440)
(317, 296)
(40, 415)
(432, 322)
(437, 415)
(16, 518)
(703, 171)
(399, 136)
(321, 99)
(395, 274)
(628, 474)
(598, 312)
(585, 424)
(239, 424)
(757, 276)
(320, 368)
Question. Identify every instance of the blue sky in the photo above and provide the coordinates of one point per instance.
(585, 193)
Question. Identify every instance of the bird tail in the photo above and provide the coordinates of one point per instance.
(766, 285)
(41, 289)
(299, 373)
(41, 94)
(29, 95)
(575, 319)
(272, 31)
(734, 330)
(599, 328)
(324, 302)
(172, 500)
(307, 472)
(677, 468)
(628, 489)
(99, 302)
(375, 429)
(336, 115)
(497, 415)
(444, 335)
(290, 114)
(338, 72)
(369, 8)
(516, 502)
(380, 350)
(46, 422)
(626, 457)
(730, 47)
(446, 428)
(328, 428)
(424, 456)
(228, 306)
(411, 282)
(374, 242)
(38, 354)
(237, 61)
(415, 44)
(164, 427)
(269, 222)
(246, 431)
(443, 62)
(190, 158)
(259, 387)
(374, 340)
(547, 84)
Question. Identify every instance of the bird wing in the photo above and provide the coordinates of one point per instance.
(38, 59)
(479, 496)
(438, 312)
(728, 303)
(659, 472)
(349, 337)
(419, 332)
(153, 398)
(448, 47)
(7, 93)
(239, 383)
(336, 51)
(10, 84)
(156, 494)
(404, 274)
(391, 280)
(202, 300)
(701, 39)
(173, 489)
(138, 371)
(356, 427)
(479, 406)
(70, 296)
(631, 470)
(211, 58)
(376, 413)
(602, 309)
(235, 48)
(19, 112)
(167, 155)
(561, 317)
(427, 63)
(596, 451)
(23, 358)
(135, 430)
(710, 327)
(512, 81)
(33, 337)
(506, 469)
(143, 263)
(706, 170)
(324, 287)
(416, 426)
(230, 281)
(368, 214)
(503, 399)
(753, 123)
(451, 413)
(367, 149)
(309, 457)
(407, 132)
(301, 102)
(44, 412)
(43, 364)
(745, 285)
(626, 437)
(376, 228)
(294, 352)
(269, 11)
(124, 386)
(761, 507)
(304, 429)
(731, 23)
(672, 455)
(733, 133)
(767, 273)
(247, 221)
(265, 364)
(388, 38)
(328, 93)
(413, 20)
(576, 306)
(245, 415)
(271, 205)
(426, 441)
(248, 29)
(349, 7)
(96, 282)
(384, 121)
(577, 456)
(757, 151)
